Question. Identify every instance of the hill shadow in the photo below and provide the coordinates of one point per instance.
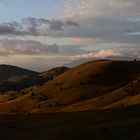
(111, 124)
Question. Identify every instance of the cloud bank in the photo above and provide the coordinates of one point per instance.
(84, 23)
(127, 54)
(36, 27)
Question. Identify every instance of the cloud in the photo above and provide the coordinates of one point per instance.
(110, 20)
(72, 23)
(133, 33)
(116, 21)
(122, 53)
(11, 28)
(119, 28)
(26, 47)
(111, 29)
(31, 47)
(36, 26)
(84, 8)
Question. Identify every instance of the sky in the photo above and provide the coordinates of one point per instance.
(41, 34)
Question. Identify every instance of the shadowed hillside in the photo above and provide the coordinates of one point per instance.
(15, 78)
(8, 71)
(111, 124)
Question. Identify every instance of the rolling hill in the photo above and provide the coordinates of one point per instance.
(15, 78)
(95, 100)
(90, 86)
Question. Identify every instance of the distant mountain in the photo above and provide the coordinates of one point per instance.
(8, 71)
(78, 62)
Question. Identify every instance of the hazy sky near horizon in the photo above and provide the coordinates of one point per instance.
(40, 34)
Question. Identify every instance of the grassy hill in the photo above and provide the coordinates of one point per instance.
(90, 86)
(96, 100)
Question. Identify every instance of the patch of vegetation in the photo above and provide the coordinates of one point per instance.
(41, 97)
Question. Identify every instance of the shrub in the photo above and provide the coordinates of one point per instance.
(61, 89)
(122, 105)
(43, 97)
(38, 106)
(12, 110)
(58, 104)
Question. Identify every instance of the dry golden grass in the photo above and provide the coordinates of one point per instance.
(90, 86)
